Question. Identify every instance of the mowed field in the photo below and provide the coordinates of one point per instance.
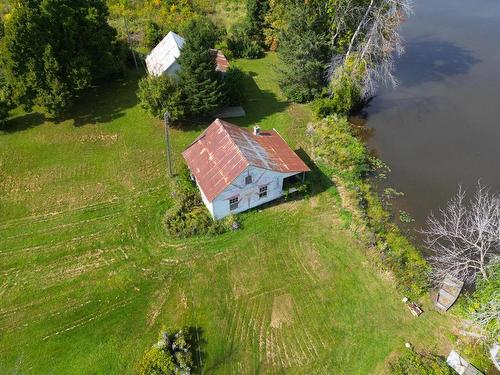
(88, 277)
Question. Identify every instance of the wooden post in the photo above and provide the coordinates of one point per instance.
(130, 45)
(166, 118)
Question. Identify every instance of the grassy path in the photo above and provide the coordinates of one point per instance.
(88, 277)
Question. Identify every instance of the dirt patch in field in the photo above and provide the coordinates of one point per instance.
(242, 283)
(99, 138)
(158, 300)
(314, 201)
(314, 262)
(282, 311)
(285, 205)
(183, 299)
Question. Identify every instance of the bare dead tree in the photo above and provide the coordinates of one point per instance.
(465, 235)
(375, 41)
(346, 12)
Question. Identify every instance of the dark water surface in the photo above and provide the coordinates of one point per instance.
(441, 126)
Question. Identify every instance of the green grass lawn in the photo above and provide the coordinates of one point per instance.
(88, 277)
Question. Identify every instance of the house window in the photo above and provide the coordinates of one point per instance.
(263, 192)
(233, 203)
(248, 180)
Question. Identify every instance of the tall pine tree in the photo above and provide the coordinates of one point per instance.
(303, 51)
(200, 83)
(52, 49)
(256, 19)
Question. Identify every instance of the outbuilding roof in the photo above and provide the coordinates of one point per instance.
(223, 151)
(164, 55)
(221, 63)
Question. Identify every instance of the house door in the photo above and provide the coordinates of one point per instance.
(248, 198)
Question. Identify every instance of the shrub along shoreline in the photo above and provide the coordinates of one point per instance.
(341, 155)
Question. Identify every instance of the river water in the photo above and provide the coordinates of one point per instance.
(441, 126)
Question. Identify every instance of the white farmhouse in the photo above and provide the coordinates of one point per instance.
(236, 170)
(163, 58)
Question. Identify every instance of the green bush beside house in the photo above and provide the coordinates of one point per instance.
(189, 216)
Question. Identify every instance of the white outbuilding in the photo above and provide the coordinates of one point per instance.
(236, 169)
(163, 58)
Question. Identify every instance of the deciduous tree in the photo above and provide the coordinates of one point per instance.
(4, 111)
(152, 35)
(158, 95)
(171, 355)
(5, 102)
(156, 362)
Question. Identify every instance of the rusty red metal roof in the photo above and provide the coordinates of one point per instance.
(222, 65)
(223, 151)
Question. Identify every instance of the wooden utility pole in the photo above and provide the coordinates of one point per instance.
(166, 118)
(130, 44)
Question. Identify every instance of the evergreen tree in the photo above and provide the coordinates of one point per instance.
(152, 35)
(200, 83)
(303, 52)
(241, 45)
(234, 86)
(52, 49)
(256, 19)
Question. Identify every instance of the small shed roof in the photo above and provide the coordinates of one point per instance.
(222, 65)
(164, 55)
(223, 151)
